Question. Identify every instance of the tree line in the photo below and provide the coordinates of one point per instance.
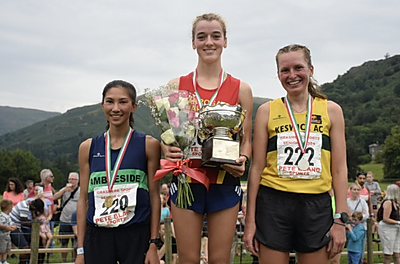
(25, 166)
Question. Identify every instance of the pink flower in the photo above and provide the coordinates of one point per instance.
(171, 114)
(173, 97)
(157, 97)
(174, 121)
(191, 114)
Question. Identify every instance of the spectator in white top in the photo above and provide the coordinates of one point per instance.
(356, 203)
(69, 199)
(29, 186)
(374, 190)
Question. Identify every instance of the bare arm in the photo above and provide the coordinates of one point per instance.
(50, 212)
(246, 101)
(260, 142)
(7, 228)
(161, 252)
(75, 230)
(82, 206)
(339, 174)
(174, 258)
(365, 207)
(59, 194)
(387, 210)
(369, 204)
(153, 163)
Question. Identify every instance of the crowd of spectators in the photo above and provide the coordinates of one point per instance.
(19, 207)
(38, 202)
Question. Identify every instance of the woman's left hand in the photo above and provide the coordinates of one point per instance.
(338, 240)
(250, 243)
(151, 255)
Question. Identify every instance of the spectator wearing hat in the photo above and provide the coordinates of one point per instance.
(21, 215)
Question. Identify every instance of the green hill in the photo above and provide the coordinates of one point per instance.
(368, 94)
(63, 134)
(14, 118)
(370, 98)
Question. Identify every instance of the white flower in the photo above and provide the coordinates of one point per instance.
(162, 102)
(182, 102)
(168, 137)
(190, 131)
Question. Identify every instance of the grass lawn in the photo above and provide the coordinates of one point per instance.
(343, 260)
(377, 169)
(54, 258)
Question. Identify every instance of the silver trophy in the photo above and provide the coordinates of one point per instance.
(217, 126)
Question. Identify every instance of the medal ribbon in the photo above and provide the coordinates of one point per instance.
(112, 175)
(302, 143)
(221, 81)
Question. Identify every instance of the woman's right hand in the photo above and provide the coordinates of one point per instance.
(171, 153)
(80, 259)
(250, 243)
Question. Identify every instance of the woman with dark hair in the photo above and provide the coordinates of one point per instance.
(14, 191)
(118, 213)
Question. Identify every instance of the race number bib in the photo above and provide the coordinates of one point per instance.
(116, 207)
(289, 156)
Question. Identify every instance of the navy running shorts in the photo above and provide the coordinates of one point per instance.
(126, 244)
(217, 198)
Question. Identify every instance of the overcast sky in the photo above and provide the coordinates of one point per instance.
(57, 55)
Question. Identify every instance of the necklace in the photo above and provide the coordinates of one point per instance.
(300, 111)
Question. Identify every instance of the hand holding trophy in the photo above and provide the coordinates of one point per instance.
(218, 124)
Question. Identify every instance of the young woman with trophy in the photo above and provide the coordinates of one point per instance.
(222, 101)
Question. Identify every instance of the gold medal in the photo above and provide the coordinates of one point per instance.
(108, 202)
(303, 164)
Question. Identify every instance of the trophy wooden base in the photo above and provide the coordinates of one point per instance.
(217, 151)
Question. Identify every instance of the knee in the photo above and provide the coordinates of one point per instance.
(387, 256)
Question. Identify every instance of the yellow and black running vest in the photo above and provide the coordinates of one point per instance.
(283, 153)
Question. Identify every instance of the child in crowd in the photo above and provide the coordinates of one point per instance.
(6, 226)
(44, 230)
(355, 235)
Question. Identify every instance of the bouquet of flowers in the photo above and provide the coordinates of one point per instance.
(173, 112)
